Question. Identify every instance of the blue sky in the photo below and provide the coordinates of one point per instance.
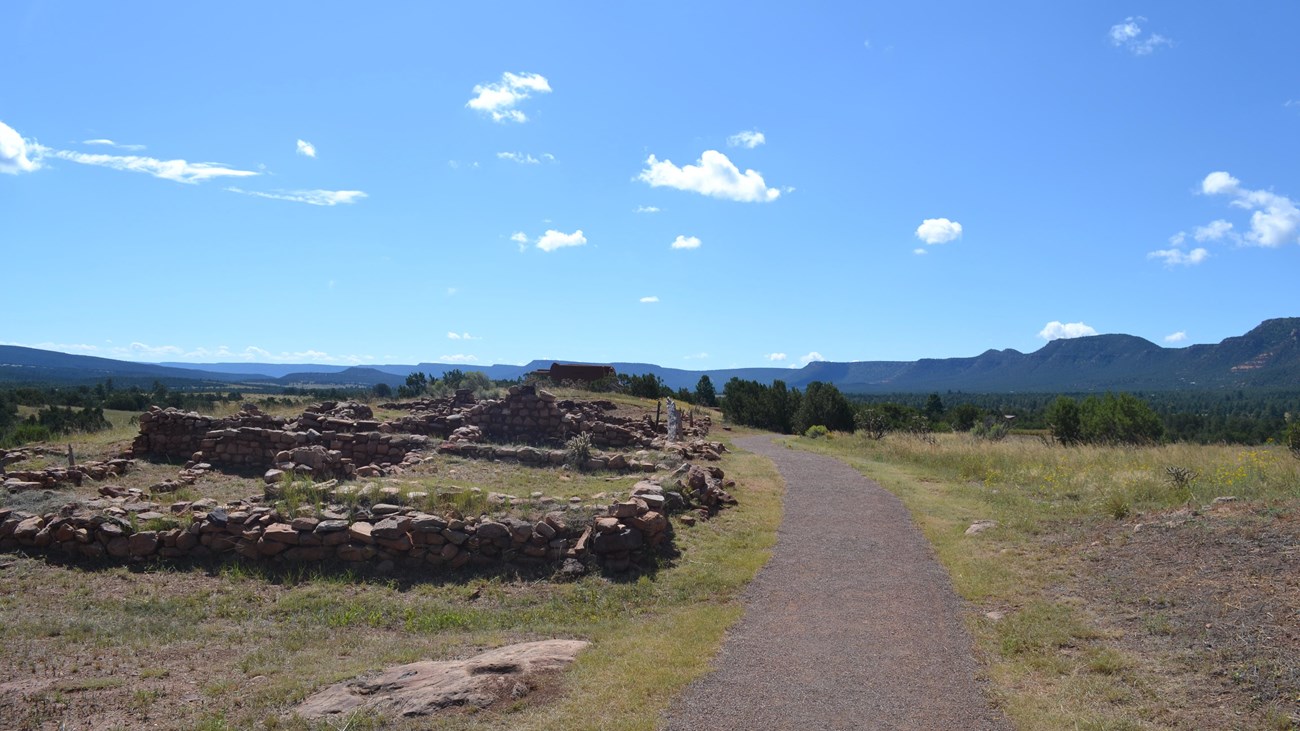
(699, 185)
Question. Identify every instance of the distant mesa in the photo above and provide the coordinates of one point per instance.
(1267, 357)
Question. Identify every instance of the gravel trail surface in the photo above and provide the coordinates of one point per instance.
(851, 625)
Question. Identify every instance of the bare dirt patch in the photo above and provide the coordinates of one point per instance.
(1211, 600)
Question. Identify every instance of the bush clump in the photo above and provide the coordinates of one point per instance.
(817, 431)
(577, 450)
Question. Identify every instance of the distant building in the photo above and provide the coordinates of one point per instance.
(576, 372)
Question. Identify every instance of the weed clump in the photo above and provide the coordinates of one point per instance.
(577, 450)
(817, 431)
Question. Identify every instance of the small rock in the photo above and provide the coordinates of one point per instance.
(980, 526)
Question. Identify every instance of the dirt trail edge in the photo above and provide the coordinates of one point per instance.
(851, 625)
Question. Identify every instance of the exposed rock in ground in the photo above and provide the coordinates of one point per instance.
(424, 688)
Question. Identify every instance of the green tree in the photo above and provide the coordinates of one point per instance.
(704, 392)
(382, 390)
(963, 417)
(824, 405)
(1064, 421)
(933, 408)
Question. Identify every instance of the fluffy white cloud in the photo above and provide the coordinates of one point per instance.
(649, 300)
(180, 171)
(14, 153)
(1178, 257)
(499, 100)
(552, 240)
(1212, 231)
(306, 148)
(811, 357)
(1274, 219)
(310, 197)
(461, 336)
(938, 231)
(522, 158)
(1130, 35)
(1177, 337)
(1063, 331)
(714, 175)
(110, 143)
(748, 139)
(646, 209)
(686, 242)
(457, 358)
(775, 356)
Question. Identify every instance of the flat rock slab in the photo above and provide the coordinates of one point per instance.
(424, 688)
(852, 624)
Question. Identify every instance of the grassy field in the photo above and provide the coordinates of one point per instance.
(235, 646)
(1114, 592)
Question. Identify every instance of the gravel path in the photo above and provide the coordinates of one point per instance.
(851, 625)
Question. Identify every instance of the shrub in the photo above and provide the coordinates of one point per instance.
(577, 450)
(872, 422)
(994, 430)
(817, 431)
(1293, 438)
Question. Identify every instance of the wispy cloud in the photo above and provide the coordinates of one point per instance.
(145, 352)
(519, 157)
(713, 175)
(695, 356)
(1129, 35)
(649, 300)
(180, 171)
(457, 358)
(686, 242)
(306, 148)
(938, 231)
(811, 358)
(461, 336)
(1065, 330)
(748, 139)
(1179, 257)
(498, 100)
(15, 154)
(1177, 337)
(115, 145)
(310, 197)
(920, 252)
(775, 357)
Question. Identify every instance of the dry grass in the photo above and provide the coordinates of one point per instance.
(1075, 640)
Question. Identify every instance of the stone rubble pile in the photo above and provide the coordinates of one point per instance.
(124, 524)
(50, 477)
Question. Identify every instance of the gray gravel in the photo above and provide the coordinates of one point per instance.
(851, 625)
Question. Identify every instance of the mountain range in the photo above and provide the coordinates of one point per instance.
(1267, 357)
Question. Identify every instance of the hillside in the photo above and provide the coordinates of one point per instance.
(1267, 357)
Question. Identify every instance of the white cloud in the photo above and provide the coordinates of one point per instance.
(1130, 35)
(310, 197)
(14, 153)
(649, 300)
(920, 252)
(938, 231)
(552, 240)
(695, 356)
(1274, 219)
(1178, 257)
(811, 357)
(110, 143)
(519, 157)
(306, 148)
(1063, 331)
(519, 237)
(457, 358)
(686, 242)
(1219, 182)
(714, 175)
(461, 336)
(775, 356)
(1177, 337)
(179, 171)
(1178, 239)
(748, 139)
(499, 100)
(1212, 231)
(646, 209)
